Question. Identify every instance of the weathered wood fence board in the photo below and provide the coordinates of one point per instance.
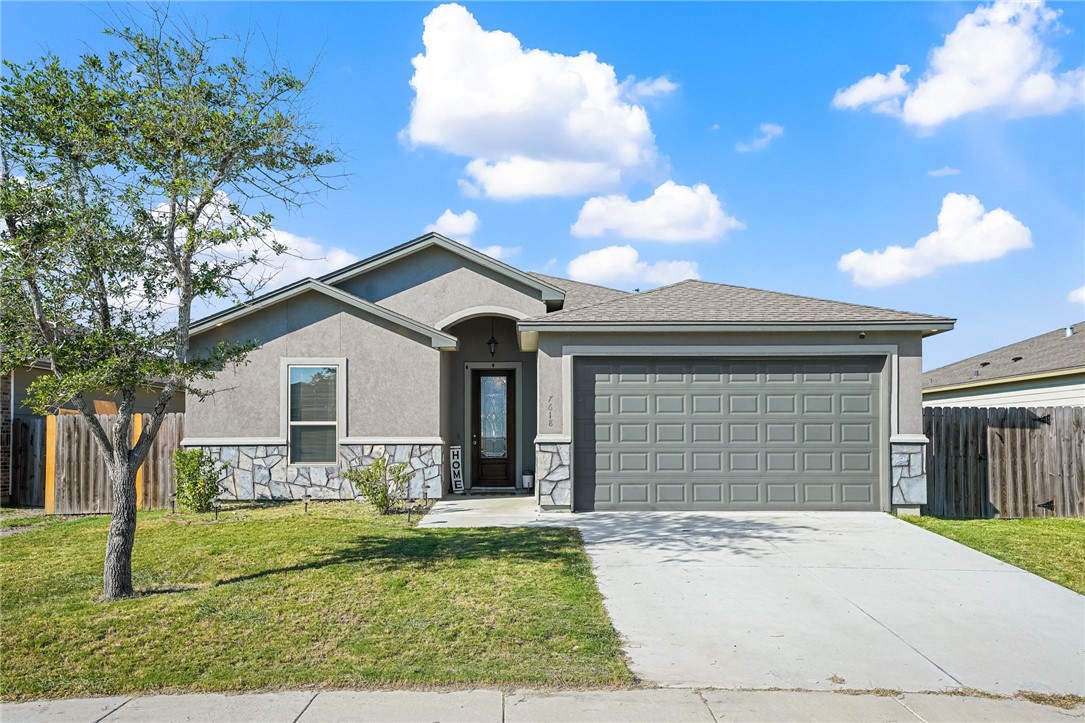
(28, 461)
(997, 462)
(79, 481)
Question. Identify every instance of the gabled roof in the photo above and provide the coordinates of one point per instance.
(547, 291)
(703, 303)
(578, 294)
(1044, 355)
(437, 339)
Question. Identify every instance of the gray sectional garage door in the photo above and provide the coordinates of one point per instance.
(687, 434)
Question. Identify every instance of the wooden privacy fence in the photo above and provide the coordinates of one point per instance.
(28, 461)
(1016, 462)
(76, 478)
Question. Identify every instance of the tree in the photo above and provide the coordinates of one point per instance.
(125, 187)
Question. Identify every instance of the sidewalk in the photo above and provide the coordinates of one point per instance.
(484, 706)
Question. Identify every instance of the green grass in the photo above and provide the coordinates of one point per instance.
(1051, 548)
(21, 517)
(271, 597)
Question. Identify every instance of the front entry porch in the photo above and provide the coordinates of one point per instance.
(489, 407)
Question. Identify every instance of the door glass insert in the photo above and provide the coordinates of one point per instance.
(493, 411)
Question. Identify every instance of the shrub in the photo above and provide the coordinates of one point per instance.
(197, 475)
(381, 485)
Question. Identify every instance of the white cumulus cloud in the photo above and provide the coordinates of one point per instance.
(881, 90)
(769, 132)
(1077, 296)
(966, 234)
(635, 90)
(621, 266)
(461, 226)
(943, 172)
(457, 226)
(305, 257)
(500, 252)
(672, 213)
(533, 123)
(995, 58)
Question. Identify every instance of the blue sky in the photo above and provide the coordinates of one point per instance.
(759, 144)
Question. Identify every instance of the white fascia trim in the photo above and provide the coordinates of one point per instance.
(391, 440)
(547, 292)
(909, 439)
(474, 311)
(678, 326)
(232, 442)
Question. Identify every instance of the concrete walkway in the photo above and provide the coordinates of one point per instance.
(485, 706)
(481, 511)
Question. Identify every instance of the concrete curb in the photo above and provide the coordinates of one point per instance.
(484, 706)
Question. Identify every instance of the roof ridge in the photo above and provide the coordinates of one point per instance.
(352, 270)
(622, 299)
(817, 298)
(585, 283)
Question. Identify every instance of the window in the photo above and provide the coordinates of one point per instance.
(312, 421)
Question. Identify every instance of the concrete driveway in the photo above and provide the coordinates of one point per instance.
(827, 600)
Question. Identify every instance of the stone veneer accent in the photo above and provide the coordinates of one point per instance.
(909, 466)
(261, 472)
(553, 477)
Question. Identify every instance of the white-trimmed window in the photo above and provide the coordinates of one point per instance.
(313, 401)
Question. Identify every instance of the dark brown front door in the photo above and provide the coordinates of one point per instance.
(493, 428)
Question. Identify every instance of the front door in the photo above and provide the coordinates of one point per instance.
(493, 428)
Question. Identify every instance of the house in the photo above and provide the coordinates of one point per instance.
(1045, 371)
(691, 396)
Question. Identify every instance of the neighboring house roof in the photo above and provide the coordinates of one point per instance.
(578, 294)
(547, 291)
(1049, 354)
(705, 303)
(438, 339)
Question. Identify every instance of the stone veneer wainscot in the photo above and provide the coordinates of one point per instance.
(909, 468)
(260, 472)
(553, 476)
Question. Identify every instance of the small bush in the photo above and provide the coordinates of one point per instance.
(197, 475)
(380, 485)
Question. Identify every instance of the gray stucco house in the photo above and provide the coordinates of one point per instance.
(691, 396)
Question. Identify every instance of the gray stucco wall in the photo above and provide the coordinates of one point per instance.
(473, 335)
(393, 376)
(909, 374)
(433, 284)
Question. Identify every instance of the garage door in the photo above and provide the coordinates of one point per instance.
(741, 434)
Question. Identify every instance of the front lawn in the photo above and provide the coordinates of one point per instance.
(1051, 548)
(272, 597)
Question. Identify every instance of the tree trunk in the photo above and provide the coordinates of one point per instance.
(117, 582)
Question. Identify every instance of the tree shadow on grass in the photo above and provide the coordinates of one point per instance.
(424, 548)
(675, 535)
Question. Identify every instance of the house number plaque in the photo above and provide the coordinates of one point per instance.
(455, 466)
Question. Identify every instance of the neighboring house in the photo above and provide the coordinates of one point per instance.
(1044, 371)
(692, 396)
(14, 410)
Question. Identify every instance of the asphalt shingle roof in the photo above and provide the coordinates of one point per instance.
(1048, 352)
(578, 294)
(707, 302)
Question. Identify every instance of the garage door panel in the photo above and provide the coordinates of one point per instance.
(727, 434)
